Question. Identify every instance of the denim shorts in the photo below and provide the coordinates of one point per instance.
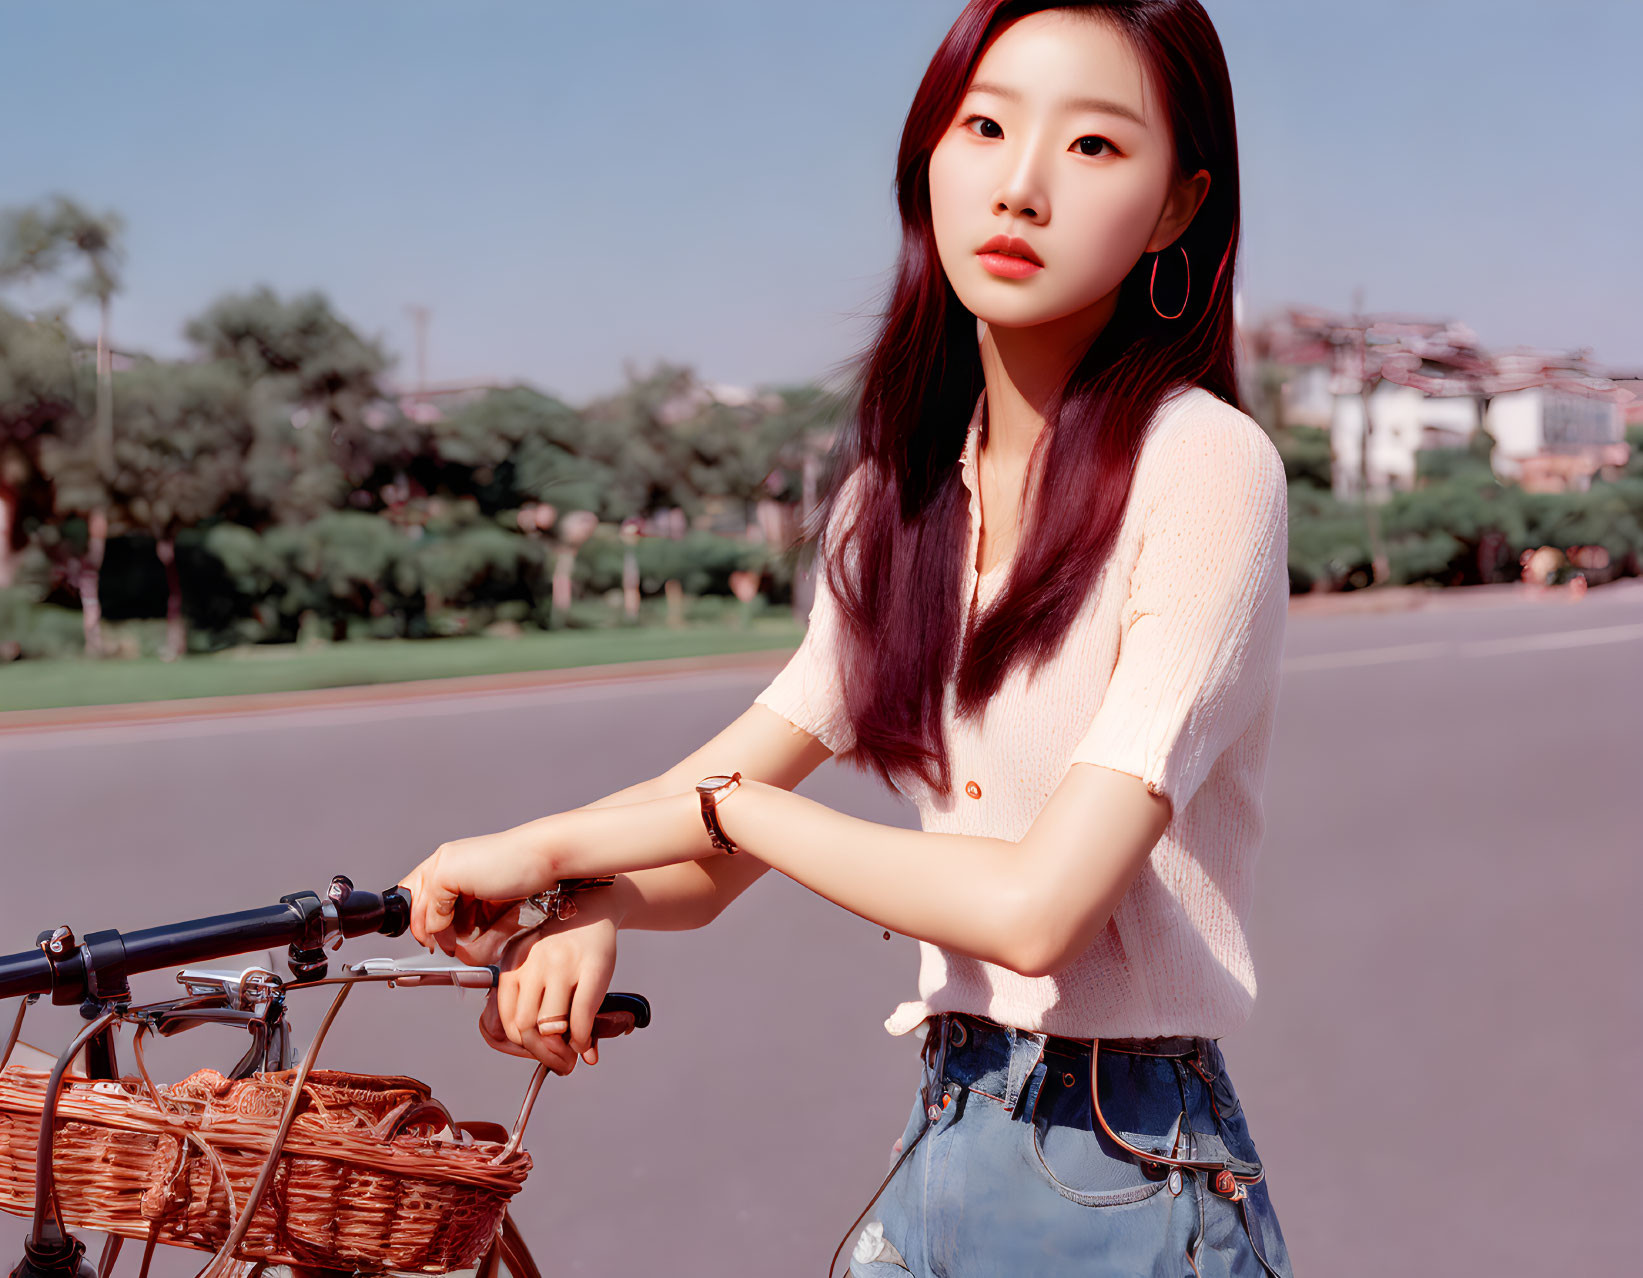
(1014, 1178)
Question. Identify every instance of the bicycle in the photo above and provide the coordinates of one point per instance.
(388, 1124)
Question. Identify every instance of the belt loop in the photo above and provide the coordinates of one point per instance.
(1020, 1063)
(1029, 1094)
(934, 1081)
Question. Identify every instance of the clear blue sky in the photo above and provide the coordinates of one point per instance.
(568, 186)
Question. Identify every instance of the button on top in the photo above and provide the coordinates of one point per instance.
(972, 789)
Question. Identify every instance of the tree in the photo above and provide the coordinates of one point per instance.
(514, 445)
(648, 458)
(180, 446)
(803, 434)
(313, 382)
(733, 449)
(35, 241)
(37, 400)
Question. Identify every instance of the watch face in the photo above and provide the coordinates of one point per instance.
(711, 783)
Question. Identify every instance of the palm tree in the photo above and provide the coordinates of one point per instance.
(35, 241)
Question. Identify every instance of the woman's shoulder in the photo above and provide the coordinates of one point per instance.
(1200, 445)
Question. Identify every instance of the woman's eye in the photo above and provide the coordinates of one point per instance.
(969, 120)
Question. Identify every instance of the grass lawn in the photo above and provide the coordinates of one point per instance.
(42, 684)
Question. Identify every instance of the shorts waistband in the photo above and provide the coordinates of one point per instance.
(968, 1025)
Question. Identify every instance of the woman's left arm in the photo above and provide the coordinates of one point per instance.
(992, 899)
(973, 895)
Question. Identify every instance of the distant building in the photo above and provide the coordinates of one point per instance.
(1556, 424)
(1630, 381)
(1556, 421)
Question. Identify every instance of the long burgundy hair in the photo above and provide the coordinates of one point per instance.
(919, 379)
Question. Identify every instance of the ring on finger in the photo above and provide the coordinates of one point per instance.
(541, 1047)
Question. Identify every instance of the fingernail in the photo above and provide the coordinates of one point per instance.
(552, 1027)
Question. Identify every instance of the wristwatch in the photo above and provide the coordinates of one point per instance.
(712, 790)
(557, 902)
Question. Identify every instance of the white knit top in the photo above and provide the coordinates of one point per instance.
(1169, 673)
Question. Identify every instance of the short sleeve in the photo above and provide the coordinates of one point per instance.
(809, 691)
(1203, 630)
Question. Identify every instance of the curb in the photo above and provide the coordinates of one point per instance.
(1372, 600)
(1429, 598)
(148, 712)
(1408, 598)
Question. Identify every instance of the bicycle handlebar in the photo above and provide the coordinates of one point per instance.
(94, 972)
(98, 966)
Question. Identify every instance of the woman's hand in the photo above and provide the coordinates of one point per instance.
(548, 971)
(465, 876)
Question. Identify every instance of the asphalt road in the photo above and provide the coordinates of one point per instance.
(1441, 1070)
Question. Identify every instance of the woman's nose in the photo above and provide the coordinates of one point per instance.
(1020, 195)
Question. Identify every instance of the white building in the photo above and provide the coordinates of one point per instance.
(1405, 420)
(1556, 436)
(1555, 420)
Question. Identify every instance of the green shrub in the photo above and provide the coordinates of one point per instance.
(31, 629)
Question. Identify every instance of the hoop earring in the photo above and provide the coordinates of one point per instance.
(1154, 285)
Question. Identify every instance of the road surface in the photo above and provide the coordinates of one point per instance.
(1440, 1072)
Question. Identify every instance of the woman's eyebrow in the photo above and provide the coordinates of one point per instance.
(1104, 105)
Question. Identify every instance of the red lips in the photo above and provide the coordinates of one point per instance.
(1012, 245)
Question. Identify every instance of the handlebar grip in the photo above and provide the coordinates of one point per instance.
(620, 1013)
(396, 911)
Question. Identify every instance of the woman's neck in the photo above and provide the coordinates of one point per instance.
(1025, 369)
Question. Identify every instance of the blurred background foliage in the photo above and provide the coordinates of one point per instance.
(271, 487)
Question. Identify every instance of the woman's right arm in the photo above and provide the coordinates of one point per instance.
(544, 972)
(762, 746)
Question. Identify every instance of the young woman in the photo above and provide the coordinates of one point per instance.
(1050, 612)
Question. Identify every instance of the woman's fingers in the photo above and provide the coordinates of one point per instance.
(527, 990)
(435, 896)
(532, 1046)
(507, 994)
(545, 999)
(490, 1029)
(424, 912)
(527, 997)
(548, 994)
(441, 911)
(463, 923)
(419, 905)
(536, 983)
(592, 981)
(551, 1048)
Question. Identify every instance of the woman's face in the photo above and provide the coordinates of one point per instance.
(1089, 185)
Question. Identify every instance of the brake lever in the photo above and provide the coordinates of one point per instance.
(243, 989)
(403, 972)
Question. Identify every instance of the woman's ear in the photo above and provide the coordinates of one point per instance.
(1182, 205)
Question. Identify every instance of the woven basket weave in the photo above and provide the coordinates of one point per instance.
(351, 1189)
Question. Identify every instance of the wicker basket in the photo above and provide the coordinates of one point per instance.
(361, 1181)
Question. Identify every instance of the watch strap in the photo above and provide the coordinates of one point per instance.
(710, 813)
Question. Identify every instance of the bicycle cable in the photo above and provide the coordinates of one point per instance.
(931, 1113)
